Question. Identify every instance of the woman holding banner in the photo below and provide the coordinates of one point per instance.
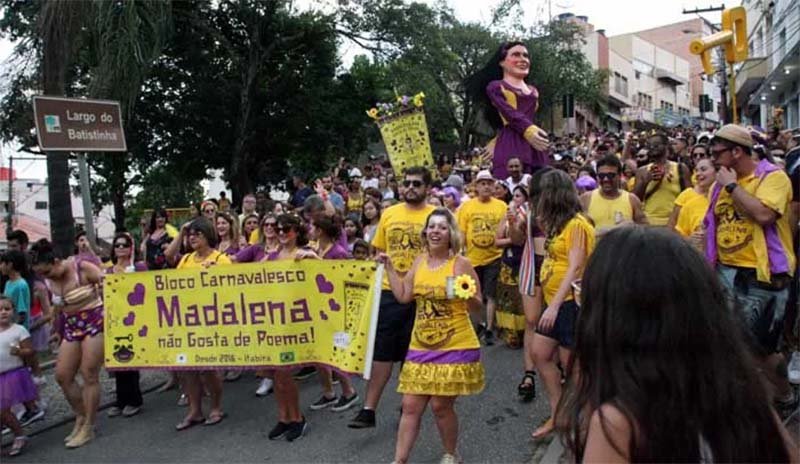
(78, 304)
(443, 360)
(129, 395)
(510, 104)
(291, 422)
(203, 240)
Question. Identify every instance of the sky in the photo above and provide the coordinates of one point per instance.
(615, 16)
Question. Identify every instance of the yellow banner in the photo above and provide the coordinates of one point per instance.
(405, 135)
(258, 315)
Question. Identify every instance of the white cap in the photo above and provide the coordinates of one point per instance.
(484, 175)
(355, 172)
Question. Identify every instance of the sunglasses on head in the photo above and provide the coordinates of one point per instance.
(122, 245)
(412, 183)
(606, 175)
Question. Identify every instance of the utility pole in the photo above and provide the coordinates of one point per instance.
(723, 94)
(9, 208)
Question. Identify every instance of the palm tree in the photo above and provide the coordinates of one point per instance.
(59, 22)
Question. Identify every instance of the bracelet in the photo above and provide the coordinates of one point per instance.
(731, 187)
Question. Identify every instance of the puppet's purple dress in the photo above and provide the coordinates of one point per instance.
(517, 112)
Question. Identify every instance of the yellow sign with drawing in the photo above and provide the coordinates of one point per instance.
(405, 135)
(244, 316)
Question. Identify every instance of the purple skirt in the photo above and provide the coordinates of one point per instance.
(41, 336)
(16, 386)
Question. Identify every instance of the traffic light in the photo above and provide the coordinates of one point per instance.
(568, 106)
(706, 103)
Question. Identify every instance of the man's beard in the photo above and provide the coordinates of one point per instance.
(415, 201)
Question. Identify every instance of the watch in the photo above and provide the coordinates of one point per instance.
(731, 187)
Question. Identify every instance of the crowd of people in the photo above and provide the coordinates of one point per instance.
(634, 310)
(647, 278)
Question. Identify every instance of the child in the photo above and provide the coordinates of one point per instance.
(15, 267)
(354, 231)
(16, 383)
(360, 250)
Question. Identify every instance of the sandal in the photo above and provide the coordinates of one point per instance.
(215, 418)
(189, 423)
(527, 388)
(19, 443)
(544, 430)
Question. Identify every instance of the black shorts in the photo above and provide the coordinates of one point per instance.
(563, 330)
(395, 323)
(488, 275)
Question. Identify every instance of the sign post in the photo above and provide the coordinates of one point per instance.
(79, 125)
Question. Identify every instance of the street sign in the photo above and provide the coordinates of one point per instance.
(75, 124)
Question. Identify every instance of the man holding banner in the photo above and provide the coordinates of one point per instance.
(399, 236)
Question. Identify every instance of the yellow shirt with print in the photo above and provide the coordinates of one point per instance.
(190, 261)
(399, 234)
(735, 229)
(692, 214)
(478, 222)
(556, 260)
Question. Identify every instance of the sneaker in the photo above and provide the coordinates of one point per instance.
(39, 380)
(278, 431)
(130, 411)
(480, 329)
(183, 400)
(264, 388)
(296, 430)
(30, 417)
(364, 419)
(323, 402)
(305, 373)
(488, 337)
(449, 459)
(114, 411)
(345, 403)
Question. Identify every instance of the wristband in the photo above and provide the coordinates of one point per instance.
(731, 187)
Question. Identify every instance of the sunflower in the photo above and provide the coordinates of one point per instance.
(418, 99)
(373, 113)
(464, 287)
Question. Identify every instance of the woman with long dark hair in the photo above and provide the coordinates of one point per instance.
(78, 303)
(509, 104)
(155, 239)
(661, 371)
(569, 242)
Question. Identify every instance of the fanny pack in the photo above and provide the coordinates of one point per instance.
(746, 277)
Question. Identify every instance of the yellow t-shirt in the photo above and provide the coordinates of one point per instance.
(692, 214)
(399, 235)
(354, 205)
(556, 260)
(478, 222)
(735, 229)
(190, 261)
(686, 196)
(603, 211)
(658, 205)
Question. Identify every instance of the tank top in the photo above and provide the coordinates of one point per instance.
(603, 211)
(441, 323)
(660, 198)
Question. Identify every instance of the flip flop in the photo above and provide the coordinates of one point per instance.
(214, 419)
(544, 430)
(189, 423)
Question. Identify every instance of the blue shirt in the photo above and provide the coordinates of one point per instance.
(20, 294)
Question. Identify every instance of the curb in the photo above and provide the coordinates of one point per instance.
(102, 407)
(554, 451)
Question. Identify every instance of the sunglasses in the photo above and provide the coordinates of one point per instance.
(699, 154)
(122, 245)
(209, 211)
(270, 224)
(284, 229)
(606, 175)
(412, 183)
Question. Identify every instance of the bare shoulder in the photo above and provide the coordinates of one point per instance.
(609, 435)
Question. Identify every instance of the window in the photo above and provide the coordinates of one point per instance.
(620, 84)
(683, 111)
(644, 101)
(41, 205)
(667, 106)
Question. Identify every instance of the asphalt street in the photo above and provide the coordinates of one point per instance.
(495, 427)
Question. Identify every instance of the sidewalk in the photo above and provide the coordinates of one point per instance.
(57, 409)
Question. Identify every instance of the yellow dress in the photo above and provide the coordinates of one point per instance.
(444, 356)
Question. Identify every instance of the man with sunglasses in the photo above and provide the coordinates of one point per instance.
(398, 235)
(478, 219)
(609, 206)
(659, 183)
(749, 240)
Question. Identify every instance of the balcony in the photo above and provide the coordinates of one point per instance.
(750, 76)
(668, 77)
